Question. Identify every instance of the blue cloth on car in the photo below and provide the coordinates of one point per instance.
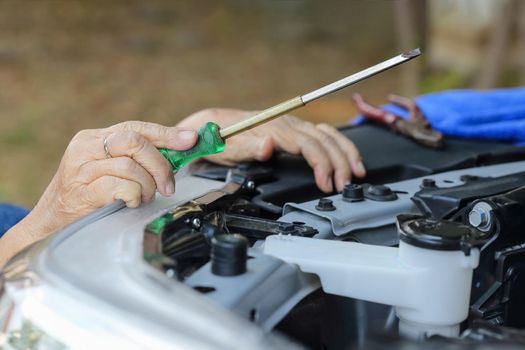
(10, 215)
(489, 115)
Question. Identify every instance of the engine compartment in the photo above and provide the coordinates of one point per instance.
(476, 184)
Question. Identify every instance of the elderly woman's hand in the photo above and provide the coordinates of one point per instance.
(98, 167)
(333, 157)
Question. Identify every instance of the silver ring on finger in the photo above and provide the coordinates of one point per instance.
(106, 149)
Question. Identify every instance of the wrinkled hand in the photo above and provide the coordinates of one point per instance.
(333, 157)
(86, 179)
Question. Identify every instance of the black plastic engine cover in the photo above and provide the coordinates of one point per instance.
(388, 157)
(442, 203)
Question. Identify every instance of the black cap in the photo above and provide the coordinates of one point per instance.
(437, 234)
(228, 254)
(353, 193)
(325, 204)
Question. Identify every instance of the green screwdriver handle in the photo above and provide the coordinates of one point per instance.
(209, 142)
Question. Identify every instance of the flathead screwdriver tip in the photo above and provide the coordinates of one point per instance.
(412, 53)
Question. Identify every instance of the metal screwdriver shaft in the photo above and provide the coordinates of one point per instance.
(299, 101)
(212, 137)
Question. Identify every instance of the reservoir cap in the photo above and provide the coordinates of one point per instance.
(437, 234)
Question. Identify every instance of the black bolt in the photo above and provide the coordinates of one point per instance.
(196, 223)
(325, 204)
(353, 193)
(428, 183)
(380, 193)
(380, 190)
(229, 253)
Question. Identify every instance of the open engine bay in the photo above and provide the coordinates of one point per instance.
(427, 252)
(429, 249)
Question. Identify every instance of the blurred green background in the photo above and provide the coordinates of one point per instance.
(71, 65)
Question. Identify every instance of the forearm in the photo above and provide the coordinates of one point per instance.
(38, 224)
(20, 236)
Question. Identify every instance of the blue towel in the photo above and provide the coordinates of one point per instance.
(10, 215)
(488, 115)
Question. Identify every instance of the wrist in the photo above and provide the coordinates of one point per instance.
(44, 218)
(35, 225)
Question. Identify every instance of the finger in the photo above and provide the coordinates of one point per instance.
(340, 162)
(314, 154)
(221, 116)
(348, 147)
(160, 136)
(133, 145)
(242, 148)
(107, 189)
(121, 167)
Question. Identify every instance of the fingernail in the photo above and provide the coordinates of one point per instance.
(170, 187)
(261, 147)
(264, 152)
(361, 167)
(330, 184)
(340, 185)
(186, 135)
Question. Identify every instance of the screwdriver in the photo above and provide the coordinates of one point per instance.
(211, 137)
